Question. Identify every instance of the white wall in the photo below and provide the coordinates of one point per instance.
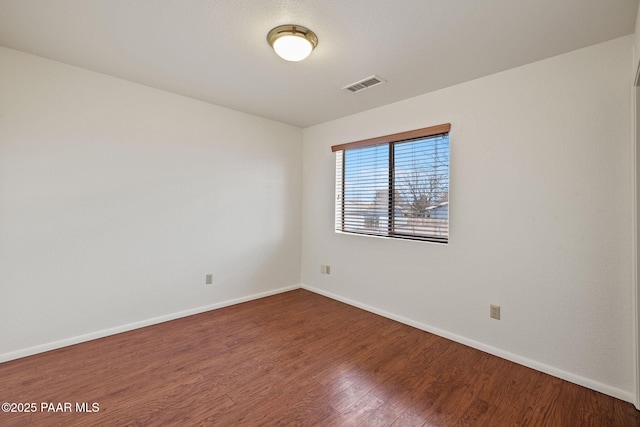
(116, 199)
(541, 218)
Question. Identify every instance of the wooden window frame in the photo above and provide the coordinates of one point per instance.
(396, 137)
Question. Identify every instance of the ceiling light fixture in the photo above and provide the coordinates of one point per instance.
(292, 42)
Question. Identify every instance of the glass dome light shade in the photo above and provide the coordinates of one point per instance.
(292, 48)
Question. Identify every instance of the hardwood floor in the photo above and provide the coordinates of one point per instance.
(293, 359)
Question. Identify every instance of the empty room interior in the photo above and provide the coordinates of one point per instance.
(426, 213)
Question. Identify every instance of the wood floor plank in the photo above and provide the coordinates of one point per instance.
(295, 358)
(360, 410)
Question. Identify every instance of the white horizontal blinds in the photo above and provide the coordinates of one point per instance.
(365, 207)
(412, 166)
(421, 188)
(339, 189)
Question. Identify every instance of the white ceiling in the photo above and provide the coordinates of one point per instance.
(216, 50)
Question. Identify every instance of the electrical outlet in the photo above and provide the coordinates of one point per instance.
(209, 279)
(494, 312)
(325, 269)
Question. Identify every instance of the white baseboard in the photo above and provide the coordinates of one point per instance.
(5, 357)
(559, 373)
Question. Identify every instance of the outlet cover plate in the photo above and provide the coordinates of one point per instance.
(494, 312)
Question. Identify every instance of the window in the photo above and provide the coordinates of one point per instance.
(395, 186)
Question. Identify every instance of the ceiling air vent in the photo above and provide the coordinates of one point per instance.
(365, 84)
